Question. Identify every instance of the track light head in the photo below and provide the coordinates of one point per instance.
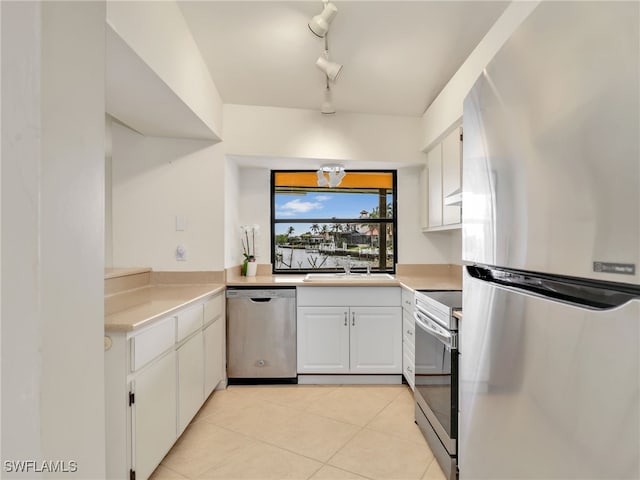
(327, 105)
(330, 69)
(319, 25)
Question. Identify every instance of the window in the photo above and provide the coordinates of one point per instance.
(321, 229)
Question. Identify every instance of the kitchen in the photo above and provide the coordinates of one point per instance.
(66, 259)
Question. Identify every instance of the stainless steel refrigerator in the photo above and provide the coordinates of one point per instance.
(550, 341)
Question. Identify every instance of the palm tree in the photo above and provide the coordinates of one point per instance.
(325, 231)
(315, 228)
(290, 231)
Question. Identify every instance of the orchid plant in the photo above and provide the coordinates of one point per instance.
(248, 235)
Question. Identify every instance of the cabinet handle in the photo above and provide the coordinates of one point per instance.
(409, 332)
(346, 321)
(353, 319)
(409, 369)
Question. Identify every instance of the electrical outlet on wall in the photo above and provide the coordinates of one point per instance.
(181, 253)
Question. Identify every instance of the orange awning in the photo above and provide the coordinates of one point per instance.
(351, 180)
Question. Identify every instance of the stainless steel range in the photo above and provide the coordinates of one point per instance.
(436, 374)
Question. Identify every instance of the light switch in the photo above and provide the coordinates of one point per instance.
(181, 253)
(181, 223)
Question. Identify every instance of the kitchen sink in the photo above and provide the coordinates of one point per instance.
(351, 277)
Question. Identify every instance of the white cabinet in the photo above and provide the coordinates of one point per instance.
(451, 176)
(154, 421)
(323, 340)
(190, 379)
(353, 330)
(434, 185)
(408, 337)
(214, 344)
(156, 380)
(375, 340)
(443, 181)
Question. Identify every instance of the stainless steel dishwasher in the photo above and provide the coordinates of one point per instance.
(261, 333)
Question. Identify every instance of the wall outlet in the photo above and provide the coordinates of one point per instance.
(181, 253)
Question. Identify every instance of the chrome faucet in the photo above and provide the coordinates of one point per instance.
(347, 266)
(368, 269)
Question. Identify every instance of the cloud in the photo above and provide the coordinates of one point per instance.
(298, 206)
(322, 198)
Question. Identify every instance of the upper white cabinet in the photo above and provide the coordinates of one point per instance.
(443, 181)
(140, 98)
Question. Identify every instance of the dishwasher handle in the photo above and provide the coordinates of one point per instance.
(260, 300)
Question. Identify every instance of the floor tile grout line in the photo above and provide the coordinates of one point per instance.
(300, 410)
(256, 439)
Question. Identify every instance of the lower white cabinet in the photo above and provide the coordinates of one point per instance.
(408, 337)
(323, 340)
(214, 354)
(156, 380)
(349, 339)
(190, 379)
(154, 425)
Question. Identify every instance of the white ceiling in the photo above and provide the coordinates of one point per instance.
(397, 55)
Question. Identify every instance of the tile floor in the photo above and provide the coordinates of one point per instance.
(303, 432)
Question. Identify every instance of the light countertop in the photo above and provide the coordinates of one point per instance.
(139, 307)
(421, 282)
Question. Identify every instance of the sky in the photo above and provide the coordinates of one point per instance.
(321, 205)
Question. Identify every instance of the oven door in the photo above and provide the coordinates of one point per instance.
(436, 377)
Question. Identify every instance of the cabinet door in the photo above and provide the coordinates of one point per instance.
(451, 175)
(190, 380)
(213, 356)
(376, 339)
(434, 174)
(154, 414)
(323, 340)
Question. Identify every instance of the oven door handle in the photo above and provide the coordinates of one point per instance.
(435, 330)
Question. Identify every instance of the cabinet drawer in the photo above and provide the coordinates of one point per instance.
(408, 331)
(152, 342)
(407, 299)
(213, 309)
(189, 321)
(348, 296)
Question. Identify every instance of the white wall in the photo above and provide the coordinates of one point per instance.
(298, 133)
(232, 248)
(53, 234)
(446, 110)
(166, 45)
(108, 230)
(155, 180)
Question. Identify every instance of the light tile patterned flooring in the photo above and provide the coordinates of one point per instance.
(303, 432)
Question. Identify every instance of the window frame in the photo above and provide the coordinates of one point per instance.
(393, 221)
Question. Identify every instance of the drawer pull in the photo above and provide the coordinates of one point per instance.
(346, 322)
(409, 369)
(409, 332)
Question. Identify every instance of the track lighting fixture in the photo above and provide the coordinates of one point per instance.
(336, 174)
(331, 69)
(319, 24)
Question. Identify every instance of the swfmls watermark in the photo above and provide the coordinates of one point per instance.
(40, 466)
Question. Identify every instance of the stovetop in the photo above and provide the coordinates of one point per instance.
(448, 298)
(439, 305)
